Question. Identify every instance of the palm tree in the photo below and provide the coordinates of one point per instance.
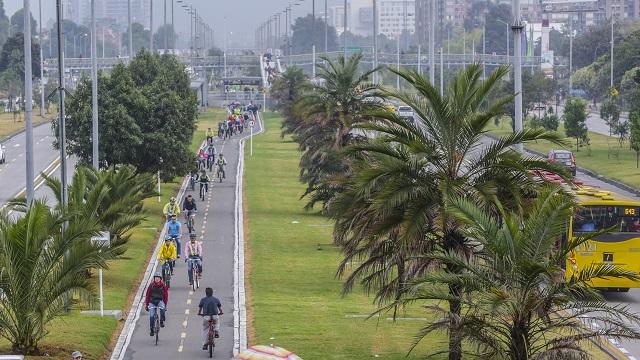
(402, 179)
(518, 303)
(113, 196)
(285, 90)
(43, 260)
(330, 108)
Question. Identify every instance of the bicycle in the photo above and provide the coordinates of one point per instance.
(156, 324)
(191, 220)
(195, 273)
(211, 335)
(204, 188)
(220, 173)
(166, 273)
(210, 163)
(192, 182)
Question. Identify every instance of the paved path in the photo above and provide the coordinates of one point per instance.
(594, 121)
(180, 339)
(12, 173)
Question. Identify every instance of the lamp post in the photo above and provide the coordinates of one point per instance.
(41, 62)
(375, 40)
(432, 43)
(508, 26)
(130, 30)
(28, 105)
(94, 88)
(344, 32)
(151, 25)
(517, 68)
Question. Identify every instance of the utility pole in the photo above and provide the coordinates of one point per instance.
(419, 59)
(375, 40)
(166, 44)
(432, 43)
(151, 25)
(441, 72)
(398, 62)
(344, 32)
(517, 68)
(570, 54)
(611, 67)
(62, 135)
(41, 63)
(131, 53)
(484, 49)
(326, 28)
(94, 89)
(28, 105)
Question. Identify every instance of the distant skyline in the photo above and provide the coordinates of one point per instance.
(242, 15)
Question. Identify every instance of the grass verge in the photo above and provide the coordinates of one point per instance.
(9, 126)
(294, 298)
(93, 335)
(605, 156)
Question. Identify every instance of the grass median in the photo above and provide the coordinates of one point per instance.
(605, 156)
(93, 335)
(294, 297)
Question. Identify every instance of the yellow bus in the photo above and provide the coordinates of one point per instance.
(599, 210)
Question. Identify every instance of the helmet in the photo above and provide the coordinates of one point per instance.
(172, 200)
(192, 236)
(158, 274)
(168, 238)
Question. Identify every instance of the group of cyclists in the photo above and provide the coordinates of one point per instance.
(237, 120)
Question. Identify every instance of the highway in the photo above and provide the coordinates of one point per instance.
(180, 339)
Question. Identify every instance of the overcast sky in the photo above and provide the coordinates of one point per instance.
(242, 15)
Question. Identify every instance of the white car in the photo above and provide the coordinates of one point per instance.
(405, 112)
(2, 155)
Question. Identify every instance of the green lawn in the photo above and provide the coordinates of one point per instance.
(606, 157)
(10, 126)
(92, 335)
(293, 296)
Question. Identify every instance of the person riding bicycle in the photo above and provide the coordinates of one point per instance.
(209, 136)
(210, 308)
(204, 181)
(202, 159)
(189, 204)
(157, 297)
(167, 255)
(171, 208)
(221, 162)
(174, 231)
(193, 256)
(211, 154)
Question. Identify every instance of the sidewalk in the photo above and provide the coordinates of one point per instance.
(594, 122)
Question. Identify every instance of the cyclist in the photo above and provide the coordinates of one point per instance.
(209, 136)
(157, 297)
(193, 256)
(221, 162)
(171, 208)
(167, 255)
(189, 204)
(202, 159)
(174, 231)
(204, 181)
(211, 154)
(210, 308)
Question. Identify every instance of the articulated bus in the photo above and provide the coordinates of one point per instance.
(599, 210)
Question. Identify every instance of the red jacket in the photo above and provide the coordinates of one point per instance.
(165, 293)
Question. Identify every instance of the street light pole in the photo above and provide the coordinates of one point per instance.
(375, 40)
(130, 30)
(517, 68)
(166, 44)
(28, 105)
(570, 54)
(41, 63)
(62, 135)
(151, 25)
(94, 89)
(432, 43)
(344, 31)
(611, 70)
(326, 28)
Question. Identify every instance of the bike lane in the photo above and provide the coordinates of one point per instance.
(217, 229)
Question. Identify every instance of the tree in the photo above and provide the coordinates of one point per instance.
(5, 24)
(634, 139)
(630, 89)
(162, 32)
(17, 23)
(42, 262)
(147, 113)
(391, 211)
(304, 34)
(215, 51)
(610, 113)
(575, 117)
(331, 107)
(550, 120)
(519, 303)
(286, 89)
(140, 37)
(12, 56)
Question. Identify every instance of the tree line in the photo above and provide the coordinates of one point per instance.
(428, 211)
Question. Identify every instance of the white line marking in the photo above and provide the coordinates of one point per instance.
(183, 335)
(189, 300)
(180, 348)
(185, 323)
(186, 311)
(623, 350)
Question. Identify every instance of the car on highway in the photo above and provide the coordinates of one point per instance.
(3, 156)
(564, 158)
(405, 112)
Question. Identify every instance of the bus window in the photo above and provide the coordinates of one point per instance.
(596, 217)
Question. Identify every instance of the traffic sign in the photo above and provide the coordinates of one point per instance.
(251, 123)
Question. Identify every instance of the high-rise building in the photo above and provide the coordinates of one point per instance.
(108, 12)
(395, 17)
(448, 13)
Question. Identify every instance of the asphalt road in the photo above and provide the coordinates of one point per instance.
(180, 339)
(12, 173)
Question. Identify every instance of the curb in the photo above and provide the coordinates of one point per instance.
(239, 298)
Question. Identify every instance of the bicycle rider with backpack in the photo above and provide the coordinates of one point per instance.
(221, 162)
(204, 181)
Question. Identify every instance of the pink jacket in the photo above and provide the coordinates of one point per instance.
(197, 248)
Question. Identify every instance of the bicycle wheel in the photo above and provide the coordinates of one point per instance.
(196, 279)
(211, 346)
(157, 325)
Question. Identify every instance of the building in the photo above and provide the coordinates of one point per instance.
(449, 13)
(108, 12)
(396, 16)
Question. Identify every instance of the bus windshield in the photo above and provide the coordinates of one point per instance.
(598, 217)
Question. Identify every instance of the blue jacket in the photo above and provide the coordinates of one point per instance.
(174, 229)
